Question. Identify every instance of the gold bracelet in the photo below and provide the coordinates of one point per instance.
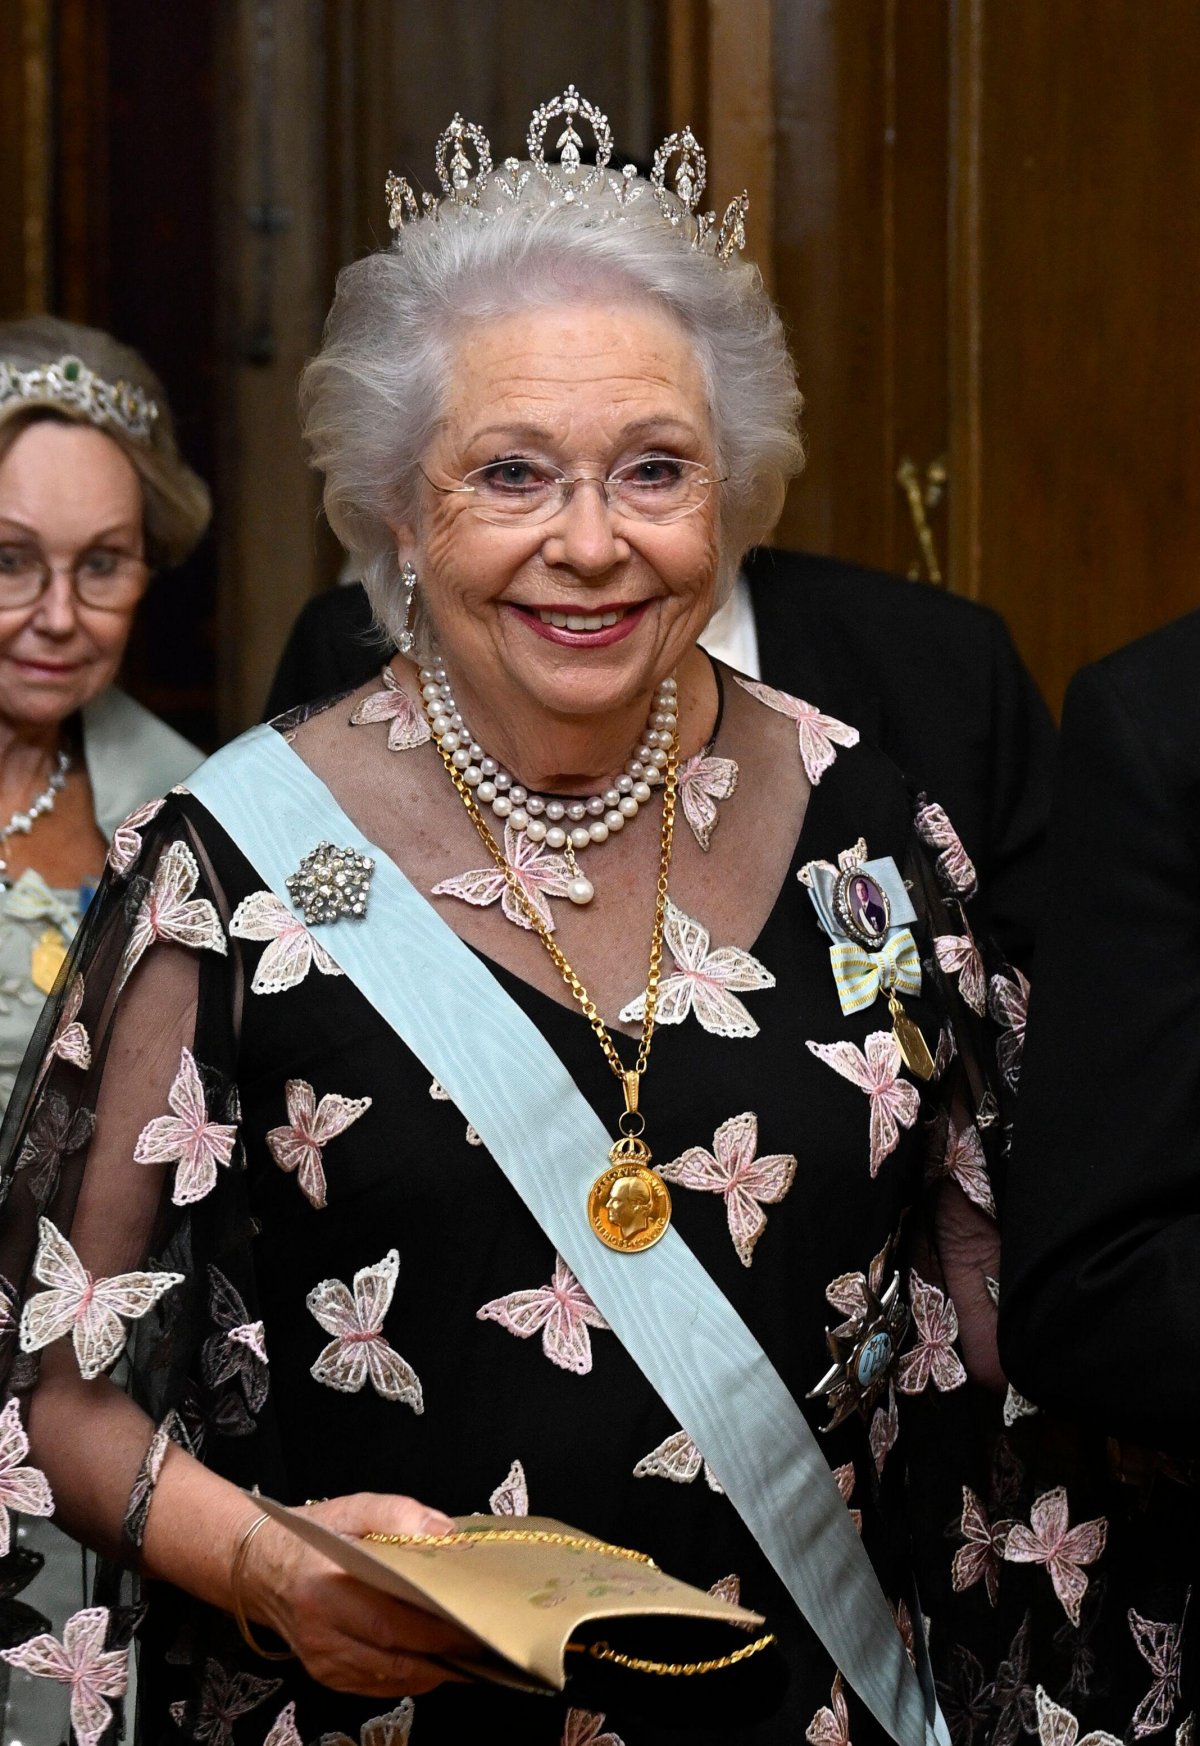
(602, 1652)
(235, 1595)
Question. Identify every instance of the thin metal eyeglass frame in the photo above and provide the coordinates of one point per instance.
(48, 570)
(564, 491)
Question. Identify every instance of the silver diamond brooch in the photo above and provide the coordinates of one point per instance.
(331, 883)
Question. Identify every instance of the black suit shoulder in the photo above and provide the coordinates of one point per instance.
(937, 682)
(333, 646)
(1102, 1218)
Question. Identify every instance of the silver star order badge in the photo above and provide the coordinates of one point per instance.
(864, 1352)
(331, 883)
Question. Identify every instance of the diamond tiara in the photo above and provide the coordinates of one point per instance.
(68, 382)
(570, 180)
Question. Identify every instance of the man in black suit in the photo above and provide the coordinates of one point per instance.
(933, 679)
(1100, 1314)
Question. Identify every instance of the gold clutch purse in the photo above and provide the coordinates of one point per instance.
(553, 1610)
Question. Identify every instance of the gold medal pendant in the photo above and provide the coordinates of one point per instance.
(914, 1050)
(629, 1206)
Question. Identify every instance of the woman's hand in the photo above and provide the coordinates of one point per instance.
(348, 1636)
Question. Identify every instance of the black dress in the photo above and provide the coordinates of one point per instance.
(347, 1295)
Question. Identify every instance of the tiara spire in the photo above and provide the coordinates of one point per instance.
(463, 163)
(69, 383)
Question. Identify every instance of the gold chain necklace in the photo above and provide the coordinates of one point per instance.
(629, 1205)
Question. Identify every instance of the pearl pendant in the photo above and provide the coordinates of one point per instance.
(581, 891)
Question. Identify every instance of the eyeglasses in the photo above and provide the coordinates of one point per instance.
(656, 488)
(102, 577)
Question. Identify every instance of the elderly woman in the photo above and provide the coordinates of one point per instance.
(482, 1094)
(94, 500)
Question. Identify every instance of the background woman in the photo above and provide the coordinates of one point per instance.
(550, 420)
(94, 500)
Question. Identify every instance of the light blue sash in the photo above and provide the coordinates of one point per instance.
(684, 1335)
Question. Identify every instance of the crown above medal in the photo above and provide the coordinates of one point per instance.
(463, 161)
(68, 382)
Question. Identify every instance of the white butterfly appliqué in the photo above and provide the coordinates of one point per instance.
(818, 733)
(170, 912)
(563, 1312)
(732, 1169)
(583, 1728)
(311, 1125)
(704, 982)
(89, 1309)
(291, 951)
(21, 1488)
(186, 1138)
(82, 1662)
(393, 1729)
(358, 1350)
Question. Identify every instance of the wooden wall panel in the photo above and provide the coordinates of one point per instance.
(1088, 377)
(860, 260)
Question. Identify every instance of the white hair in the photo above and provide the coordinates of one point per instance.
(372, 397)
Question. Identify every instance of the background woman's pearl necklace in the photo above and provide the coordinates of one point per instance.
(567, 826)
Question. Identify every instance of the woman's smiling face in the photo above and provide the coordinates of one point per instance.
(586, 388)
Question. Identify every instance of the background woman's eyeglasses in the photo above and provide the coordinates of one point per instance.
(101, 577)
(655, 488)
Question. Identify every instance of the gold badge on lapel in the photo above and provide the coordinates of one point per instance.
(46, 960)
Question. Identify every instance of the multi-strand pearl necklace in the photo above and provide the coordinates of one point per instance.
(23, 822)
(565, 825)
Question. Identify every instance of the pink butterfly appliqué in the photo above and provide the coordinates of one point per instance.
(1008, 1004)
(679, 1459)
(1058, 1727)
(955, 867)
(933, 1356)
(291, 952)
(704, 982)
(843, 1478)
(187, 1139)
(90, 1310)
(21, 1488)
(981, 1557)
(732, 1169)
(831, 1725)
(1064, 1551)
(126, 845)
(407, 724)
(964, 1159)
(70, 1042)
(895, 1104)
(358, 1349)
(885, 1429)
(310, 1126)
(583, 1728)
(1161, 1646)
(539, 873)
(701, 782)
(818, 734)
(511, 1496)
(959, 956)
(563, 1312)
(392, 1729)
(82, 1662)
(170, 912)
